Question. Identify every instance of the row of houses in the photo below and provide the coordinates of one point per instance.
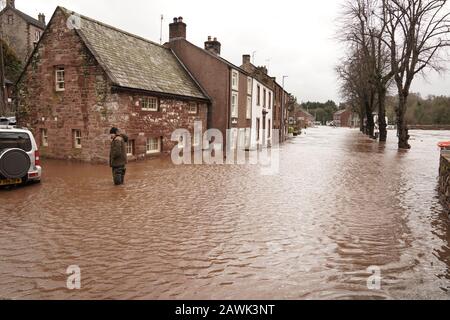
(84, 76)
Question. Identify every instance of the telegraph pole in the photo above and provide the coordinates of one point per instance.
(161, 30)
(283, 108)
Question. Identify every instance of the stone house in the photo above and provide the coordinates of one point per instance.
(225, 83)
(20, 31)
(85, 77)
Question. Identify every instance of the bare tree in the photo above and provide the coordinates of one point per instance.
(414, 31)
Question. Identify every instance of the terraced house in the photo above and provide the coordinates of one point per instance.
(228, 85)
(85, 77)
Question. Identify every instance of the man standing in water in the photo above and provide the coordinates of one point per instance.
(118, 156)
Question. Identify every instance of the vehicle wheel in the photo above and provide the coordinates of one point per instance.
(14, 163)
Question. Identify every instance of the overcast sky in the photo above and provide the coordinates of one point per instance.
(294, 38)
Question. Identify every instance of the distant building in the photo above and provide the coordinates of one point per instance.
(346, 118)
(20, 31)
(299, 118)
(81, 81)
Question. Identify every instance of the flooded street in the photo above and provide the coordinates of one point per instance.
(340, 204)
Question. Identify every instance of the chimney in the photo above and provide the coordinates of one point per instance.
(41, 18)
(11, 3)
(213, 46)
(246, 59)
(177, 29)
(263, 69)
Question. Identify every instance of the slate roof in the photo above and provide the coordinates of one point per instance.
(340, 112)
(26, 17)
(134, 62)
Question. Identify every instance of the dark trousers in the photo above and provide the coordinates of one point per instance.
(119, 175)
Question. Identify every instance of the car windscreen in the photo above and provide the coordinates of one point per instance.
(11, 140)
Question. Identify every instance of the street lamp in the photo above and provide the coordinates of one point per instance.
(283, 107)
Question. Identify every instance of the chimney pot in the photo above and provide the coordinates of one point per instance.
(246, 59)
(213, 46)
(177, 29)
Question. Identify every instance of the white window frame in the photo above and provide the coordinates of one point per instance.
(44, 137)
(60, 77)
(193, 108)
(249, 86)
(270, 99)
(150, 142)
(150, 104)
(249, 108)
(235, 80)
(130, 147)
(235, 105)
(264, 98)
(37, 36)
(77, 143)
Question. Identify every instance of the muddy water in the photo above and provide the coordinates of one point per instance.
(340, 204)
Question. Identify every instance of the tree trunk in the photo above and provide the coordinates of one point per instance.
(370, 123)
(382, 115)
(402, 126)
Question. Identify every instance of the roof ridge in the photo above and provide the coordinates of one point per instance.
(112, 27)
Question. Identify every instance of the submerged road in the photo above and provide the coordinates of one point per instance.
(340, 204)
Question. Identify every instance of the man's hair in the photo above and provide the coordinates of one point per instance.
(114, 130)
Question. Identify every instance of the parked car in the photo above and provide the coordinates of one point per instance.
(19, 157)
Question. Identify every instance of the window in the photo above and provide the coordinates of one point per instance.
(234, 105)
(235, 80)
(193, 108)
(150, 104)
(270, 100)
(10, 19)
(130, 147)
(248, 135)
(249, 86)
(60, 83)
(269, 130)
(37, 36)
(258, 95)
(77, 139)
(44, 138)
(249, 107)
(264, 98)
(153, 145)
(11, 140)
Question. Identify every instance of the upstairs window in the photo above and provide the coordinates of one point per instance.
(10, 19)
(264, 98)
(249, 86)
(249, 108)
(258, 95)
(270, 100)
(60, 81)
(235, 80)
(150, 104)
(234, 105)
(37, 36)
(193, 108)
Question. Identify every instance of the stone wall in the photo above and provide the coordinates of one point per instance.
(444, 181)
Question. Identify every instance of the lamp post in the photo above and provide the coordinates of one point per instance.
(283, 107)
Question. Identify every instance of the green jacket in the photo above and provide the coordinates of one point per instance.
(118, 155)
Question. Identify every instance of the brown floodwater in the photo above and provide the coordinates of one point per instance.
(340, 204)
